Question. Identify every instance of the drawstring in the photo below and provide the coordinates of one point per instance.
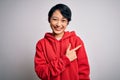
(55, 47)
(61, 48)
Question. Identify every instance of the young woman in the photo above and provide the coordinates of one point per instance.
(61, 55)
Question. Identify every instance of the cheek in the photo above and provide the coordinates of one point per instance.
(65, 25)
(52, 23)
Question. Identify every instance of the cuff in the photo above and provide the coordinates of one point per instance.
(65, 60)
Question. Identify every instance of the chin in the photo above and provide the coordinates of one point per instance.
(58, 32)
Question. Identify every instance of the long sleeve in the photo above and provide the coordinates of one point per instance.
(41, 66)
(45, 68)
(83, 65)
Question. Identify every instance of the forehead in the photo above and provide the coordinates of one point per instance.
(57, 14)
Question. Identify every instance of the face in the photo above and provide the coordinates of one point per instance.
(58, 23)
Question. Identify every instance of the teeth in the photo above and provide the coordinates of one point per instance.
(58, 28)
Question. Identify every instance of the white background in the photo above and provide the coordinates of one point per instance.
(24, 22)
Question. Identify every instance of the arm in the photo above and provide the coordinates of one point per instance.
(45, 68)
(41, 66)
(84, 69)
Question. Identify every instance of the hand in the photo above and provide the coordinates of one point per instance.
(71, 54)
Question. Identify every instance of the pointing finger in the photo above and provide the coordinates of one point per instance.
(77, 47)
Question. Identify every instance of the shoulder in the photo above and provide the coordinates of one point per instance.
(40, 42)
(76, 37)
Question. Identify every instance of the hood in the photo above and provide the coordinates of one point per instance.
(66, 35)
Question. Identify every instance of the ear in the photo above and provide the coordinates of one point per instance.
(48, 19)
(68, 23)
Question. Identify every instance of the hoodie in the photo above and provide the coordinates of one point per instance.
(51, 62)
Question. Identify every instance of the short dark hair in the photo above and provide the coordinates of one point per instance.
(64, 9)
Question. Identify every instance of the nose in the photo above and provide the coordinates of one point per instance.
(59, 23)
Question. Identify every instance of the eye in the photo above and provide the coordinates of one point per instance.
(64, 20)
(54, 19)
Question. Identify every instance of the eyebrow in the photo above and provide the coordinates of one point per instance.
(57, 17)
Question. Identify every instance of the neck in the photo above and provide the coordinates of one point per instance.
(58, 36)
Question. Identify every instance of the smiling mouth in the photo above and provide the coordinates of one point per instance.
(58, 28)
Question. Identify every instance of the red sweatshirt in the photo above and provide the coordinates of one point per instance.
(51, 62)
